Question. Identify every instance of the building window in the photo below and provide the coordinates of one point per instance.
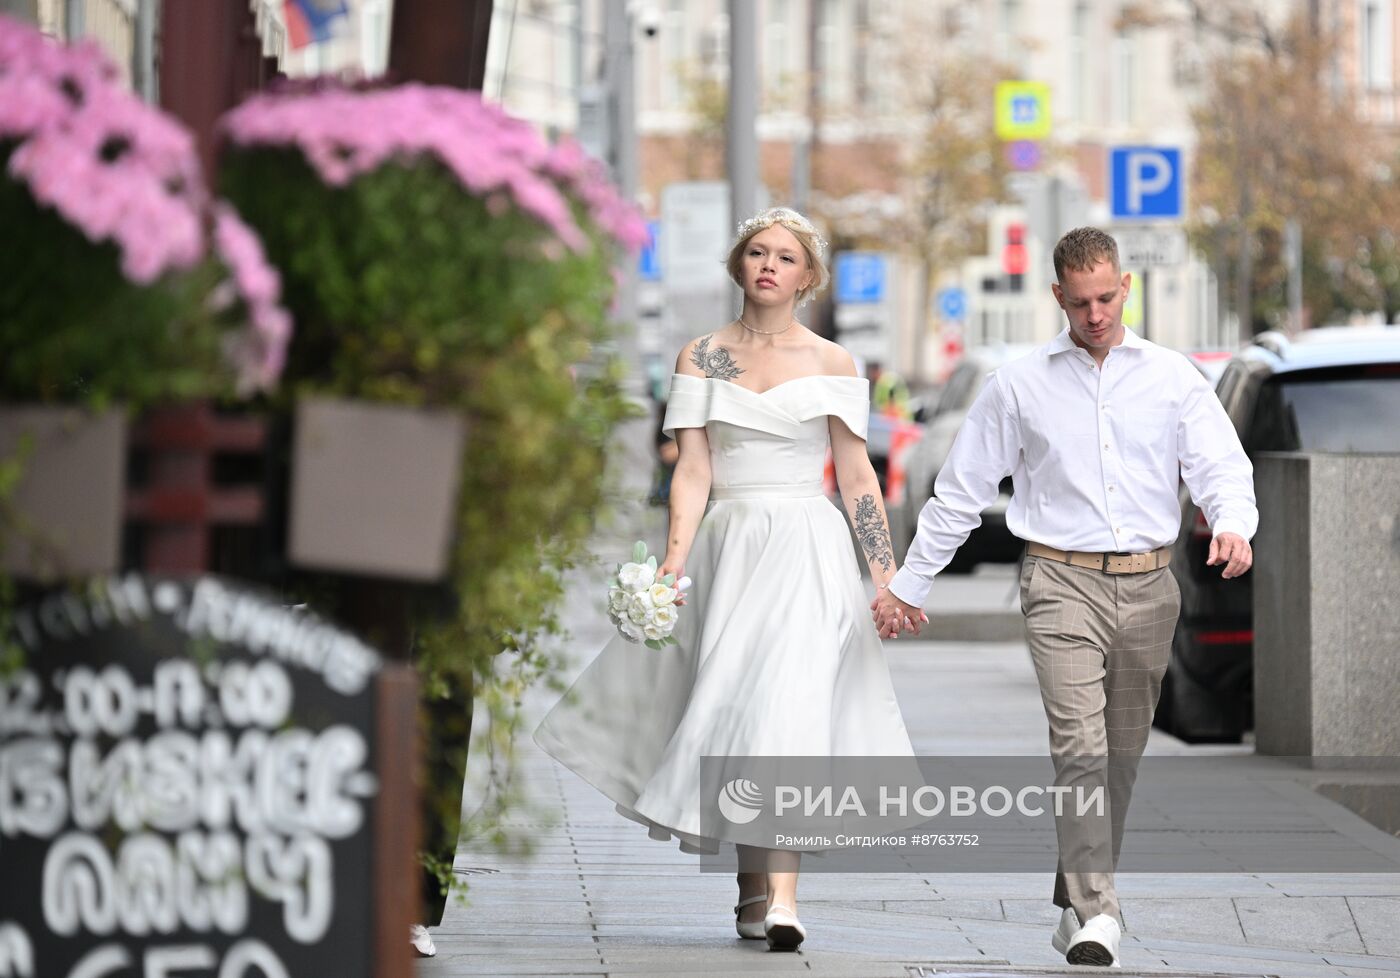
(1125, 79)
(834, 41)
(1078, 62)
(674, 68)
(778, 38)
(1376, 19)
(1008, 43)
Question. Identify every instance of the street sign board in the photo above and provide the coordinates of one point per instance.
(192, 777)
(649, 259)
(695, 235)
(1023, 154)
(1133, 305)
(1147, 183)
(1022, 110)
(860, 277)
(952, 303)
(1150, 246)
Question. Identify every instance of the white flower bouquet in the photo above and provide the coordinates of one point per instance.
(642, 607)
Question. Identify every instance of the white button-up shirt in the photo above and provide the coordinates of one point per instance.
(1095, 456)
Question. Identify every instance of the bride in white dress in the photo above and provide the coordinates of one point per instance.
(777, 653)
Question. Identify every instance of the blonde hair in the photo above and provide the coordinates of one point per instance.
(813, 246)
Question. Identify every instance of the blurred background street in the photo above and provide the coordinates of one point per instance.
(236, 233)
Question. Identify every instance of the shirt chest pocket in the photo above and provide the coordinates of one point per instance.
(1148, 438)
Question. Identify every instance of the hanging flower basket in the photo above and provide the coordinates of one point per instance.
(124, 286)
(374, 488)
(64, 510)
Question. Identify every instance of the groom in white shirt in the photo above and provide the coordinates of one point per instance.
(1095, 429)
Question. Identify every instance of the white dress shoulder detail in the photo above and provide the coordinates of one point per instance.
(777, 655)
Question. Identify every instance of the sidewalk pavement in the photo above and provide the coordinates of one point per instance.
(600, 898)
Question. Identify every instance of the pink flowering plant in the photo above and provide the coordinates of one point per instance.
(436, 251)
(123, 280)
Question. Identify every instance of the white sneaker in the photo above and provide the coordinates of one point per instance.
(422, 941)
(1096, 943)
(782, 928)
(1069, 926)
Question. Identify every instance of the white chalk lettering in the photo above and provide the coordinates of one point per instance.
(232, 617)
(102, 961)
(209, 881)
(78, 890)
(298, 873)
(145, 882)
(32, 798)
(16, 953)
(249, 954)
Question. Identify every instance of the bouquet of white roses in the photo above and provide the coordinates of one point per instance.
(642, 607)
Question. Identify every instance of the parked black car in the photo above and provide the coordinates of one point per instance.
(1332, 389)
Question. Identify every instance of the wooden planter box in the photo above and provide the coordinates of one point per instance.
(374, 488)
(68, 503)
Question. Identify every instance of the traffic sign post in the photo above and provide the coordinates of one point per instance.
(1148, 183)
(1022, 110)
(1150, 246)
(649, 259)
(860, 278)
(952, 304)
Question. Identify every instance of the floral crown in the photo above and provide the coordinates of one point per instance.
(787, 217)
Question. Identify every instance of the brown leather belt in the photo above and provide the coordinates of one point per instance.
(1108, 563)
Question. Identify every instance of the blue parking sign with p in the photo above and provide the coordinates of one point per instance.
(1148, 183)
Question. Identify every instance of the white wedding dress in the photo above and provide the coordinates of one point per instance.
(778, 655)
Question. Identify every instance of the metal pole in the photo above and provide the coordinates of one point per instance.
(1146, 304)
(741, 146)
(73, 23)
(143, 52)
(1293, 255)
(622, 155)
(804, 148)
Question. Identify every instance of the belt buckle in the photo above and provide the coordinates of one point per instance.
(1116, 553)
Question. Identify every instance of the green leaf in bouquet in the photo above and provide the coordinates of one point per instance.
(669, 580)
(651, 562)
(639, 552)
(653, 644)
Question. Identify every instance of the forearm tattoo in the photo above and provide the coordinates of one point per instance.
(872, 532)
(716, 363)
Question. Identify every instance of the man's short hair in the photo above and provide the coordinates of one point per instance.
(1083, 248)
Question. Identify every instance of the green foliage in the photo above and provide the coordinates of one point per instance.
(74, 330)
(406, 289)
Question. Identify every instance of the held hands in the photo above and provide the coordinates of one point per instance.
(892, 615)
(1233, 551)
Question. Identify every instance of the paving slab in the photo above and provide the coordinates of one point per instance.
(597, 897)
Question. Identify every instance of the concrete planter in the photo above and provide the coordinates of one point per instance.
(67, 507)
(374, 488)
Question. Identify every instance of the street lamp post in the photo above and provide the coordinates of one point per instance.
(741, 144)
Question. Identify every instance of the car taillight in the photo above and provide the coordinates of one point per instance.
(1239, 636)
(1200, 529)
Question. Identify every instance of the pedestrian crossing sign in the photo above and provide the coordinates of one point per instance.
(1022, 110)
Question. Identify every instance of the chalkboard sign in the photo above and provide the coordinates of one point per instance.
(191, 784)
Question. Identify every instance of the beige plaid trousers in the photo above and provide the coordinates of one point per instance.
(1100, 644)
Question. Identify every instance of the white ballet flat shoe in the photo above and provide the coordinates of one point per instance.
(749, 930)
(422, 941)
(782, 928)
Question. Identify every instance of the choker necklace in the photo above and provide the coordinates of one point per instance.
(766, 332)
